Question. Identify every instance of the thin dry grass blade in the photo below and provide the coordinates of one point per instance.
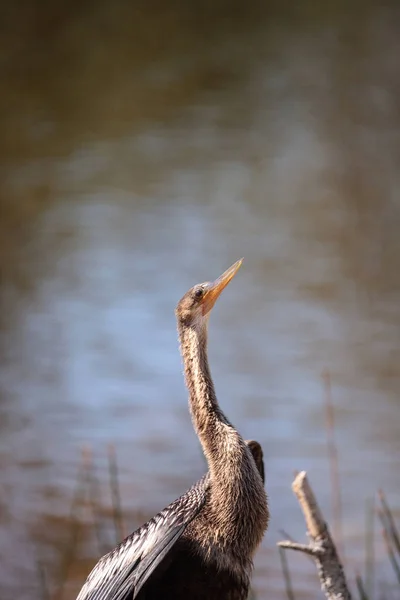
(285, 535)
(334, 467)
(390, 524)
(286, 574)
(392, 558)
(115, 495)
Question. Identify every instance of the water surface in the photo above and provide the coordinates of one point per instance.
(130, 174)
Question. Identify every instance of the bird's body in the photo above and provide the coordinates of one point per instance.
(202, 545)
(198, 579)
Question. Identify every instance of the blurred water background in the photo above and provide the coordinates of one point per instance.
(144, 147)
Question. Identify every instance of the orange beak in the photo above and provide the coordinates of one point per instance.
(214, 290)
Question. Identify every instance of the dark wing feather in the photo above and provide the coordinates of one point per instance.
(124, 570)
(134, 579)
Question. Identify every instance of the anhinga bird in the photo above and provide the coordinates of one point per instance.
(202, 545)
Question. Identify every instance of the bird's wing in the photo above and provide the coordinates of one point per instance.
(124, 570)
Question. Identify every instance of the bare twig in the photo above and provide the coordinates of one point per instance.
(321, 547)
(333, 464)
(286, 574)
(289, 538)
(299, 547)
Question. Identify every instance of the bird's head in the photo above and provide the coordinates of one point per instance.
(194, 308)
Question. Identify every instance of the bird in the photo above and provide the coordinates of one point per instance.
(201, 546)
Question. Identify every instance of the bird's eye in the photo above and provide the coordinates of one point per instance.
(198, 293)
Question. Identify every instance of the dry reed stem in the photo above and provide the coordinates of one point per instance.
(360, 587)
(286, 574)
(115, 494)
(94, 503)
(333, 465)
(42, 581)
(70, 547)
(369, 548)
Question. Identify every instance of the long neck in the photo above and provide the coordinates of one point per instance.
(238, 502)
(215, 432)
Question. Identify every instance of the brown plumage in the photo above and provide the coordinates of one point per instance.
(202, 545)
(258, 455)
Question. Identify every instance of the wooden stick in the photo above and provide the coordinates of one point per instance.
(321, 546)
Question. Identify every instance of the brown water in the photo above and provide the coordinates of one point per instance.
(144, 149)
